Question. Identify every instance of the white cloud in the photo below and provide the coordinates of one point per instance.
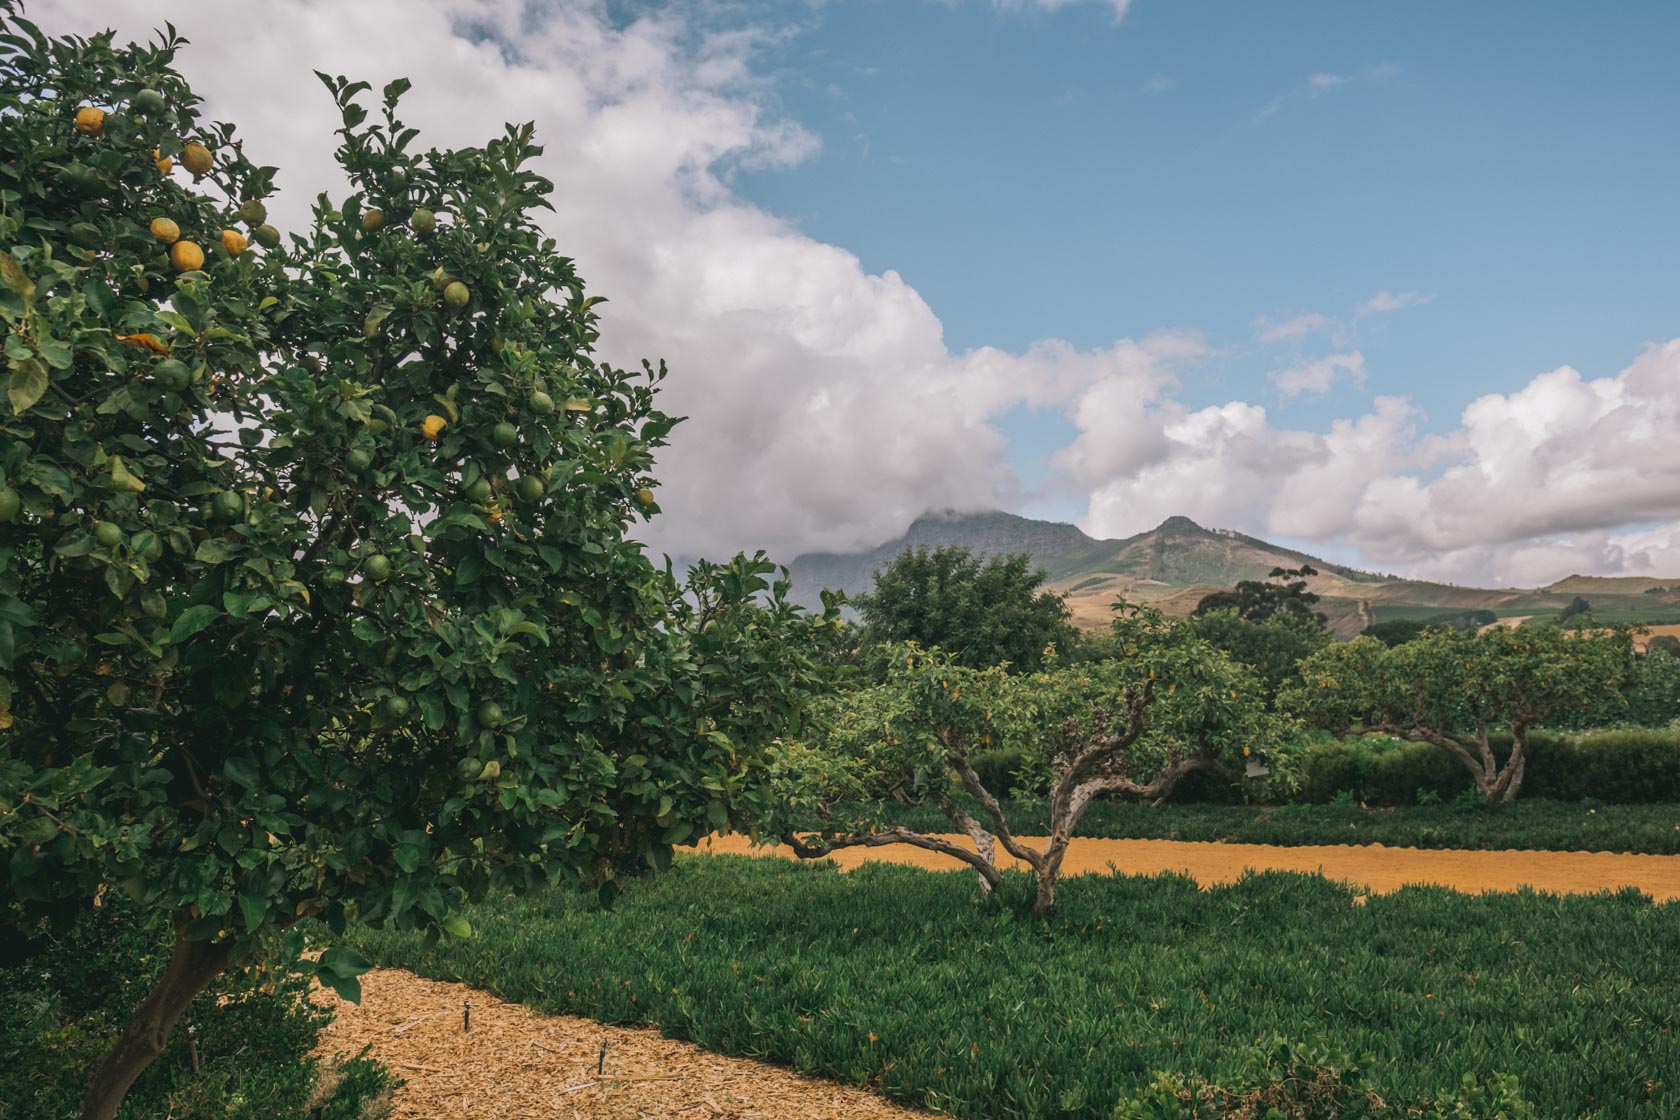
(1316, 377)
(1119, 7)
(1298, 327)
(1386, 301)
(825, 409)
(1322, 82)
(1567, 474)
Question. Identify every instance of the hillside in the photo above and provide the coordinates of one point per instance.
(1178, 562)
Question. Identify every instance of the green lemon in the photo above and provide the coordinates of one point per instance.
(358, 459)
(479, 491)
(424, 222)
(266, 236)
(377, 567)
(172, 375)
(154, 604)
(490, 714)
(372, 219)
(504, 435)
(541, 403)
(228, 505)
(107, 534)
(252, 212)
(531, 488)
(396, 707)
(456, 295)
(149, 103)
(644, 496)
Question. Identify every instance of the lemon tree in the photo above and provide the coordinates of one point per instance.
(1454, 690)
(318, 598)
(1132, 726)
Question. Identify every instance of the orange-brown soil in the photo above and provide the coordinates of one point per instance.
(1373, 866)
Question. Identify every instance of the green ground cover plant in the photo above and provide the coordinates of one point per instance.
(910, 982)
(1528, 824)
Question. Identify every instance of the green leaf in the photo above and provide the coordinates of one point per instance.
(254, 910)
(456, 926)
(192, 620)
(243, 771)
(28, 384)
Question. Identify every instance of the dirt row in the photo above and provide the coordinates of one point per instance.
(1371, 866)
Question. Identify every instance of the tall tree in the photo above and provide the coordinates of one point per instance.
(316, 593)
(981, 612)
(1283, 591)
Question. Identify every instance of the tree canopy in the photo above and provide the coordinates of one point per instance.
(317, 591)
(982, 612)
(1454, 689)
(1134, 725)
(1283, 591)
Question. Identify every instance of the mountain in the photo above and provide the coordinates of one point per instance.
(1178, 562)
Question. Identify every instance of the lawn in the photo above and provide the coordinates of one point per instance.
(906, 980)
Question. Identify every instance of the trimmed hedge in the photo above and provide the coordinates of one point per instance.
(1625, 767)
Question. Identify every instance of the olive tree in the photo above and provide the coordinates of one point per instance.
(1455, 689)
(317, 598)
(1130, 726)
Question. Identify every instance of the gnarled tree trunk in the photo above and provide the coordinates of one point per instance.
(192, 965)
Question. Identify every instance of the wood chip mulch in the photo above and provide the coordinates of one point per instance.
(515, 1064)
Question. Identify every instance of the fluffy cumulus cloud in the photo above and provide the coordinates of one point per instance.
(826, 411)
(1567, 474)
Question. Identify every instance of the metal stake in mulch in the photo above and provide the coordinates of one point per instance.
(466, 1014)
(601, 1062)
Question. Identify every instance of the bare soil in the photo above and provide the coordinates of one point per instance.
(518, 1064)
(1373, 867)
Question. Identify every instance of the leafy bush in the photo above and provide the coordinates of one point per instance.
(63, 998)
(1001, 771)
(1285, 1082)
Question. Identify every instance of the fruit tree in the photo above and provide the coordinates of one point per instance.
(316, 593)
(1455, 689)
(1132, 726)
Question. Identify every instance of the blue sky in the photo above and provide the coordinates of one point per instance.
(1392, 283)
(1058, 174)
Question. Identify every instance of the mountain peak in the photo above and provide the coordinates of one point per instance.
(1179, 526)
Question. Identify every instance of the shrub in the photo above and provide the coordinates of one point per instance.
(63, 998)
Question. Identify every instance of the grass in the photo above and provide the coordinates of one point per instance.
(907, 981)
(1563, 826)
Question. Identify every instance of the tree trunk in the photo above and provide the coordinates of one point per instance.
(1514, 766)
(192, 965)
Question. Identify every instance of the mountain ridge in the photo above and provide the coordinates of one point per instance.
(1175, 564)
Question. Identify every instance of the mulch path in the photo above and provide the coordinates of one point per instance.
(518, 1064)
